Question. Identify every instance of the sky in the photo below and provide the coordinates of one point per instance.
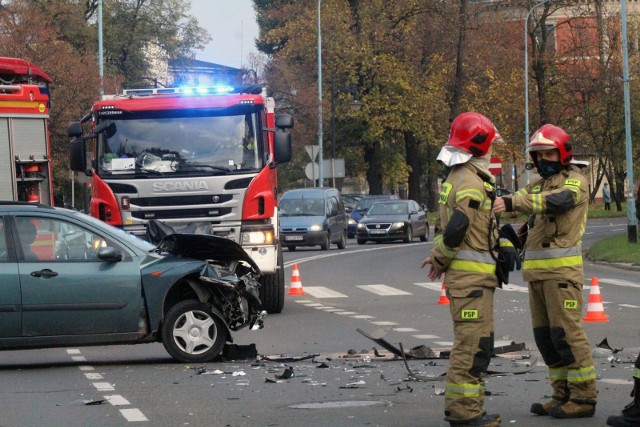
(233, 28)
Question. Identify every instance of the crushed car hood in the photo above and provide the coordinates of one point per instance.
(204, 247)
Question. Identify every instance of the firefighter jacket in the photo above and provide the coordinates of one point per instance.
(559, 206)
(466, 219)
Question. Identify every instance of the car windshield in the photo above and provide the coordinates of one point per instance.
(387, 209)
(364, 204)
(180, 146)
(301, 207)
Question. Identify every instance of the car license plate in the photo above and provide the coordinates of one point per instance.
(378, 231)
(289, 238)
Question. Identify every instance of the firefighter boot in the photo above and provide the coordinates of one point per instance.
(486, 420)
(574, 409)
(631, 413)
(559, 398)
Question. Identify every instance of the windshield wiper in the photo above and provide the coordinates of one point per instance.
(149, 171)
(192, 166)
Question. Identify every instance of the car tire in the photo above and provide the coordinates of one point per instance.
(272, 288)
(408, 238)
(425, 237)
(325, 244)
(361, 241)
(342, 243)
(291, 248)
(182, 321)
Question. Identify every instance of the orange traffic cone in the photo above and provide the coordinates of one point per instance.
(443, 296)
(595, 309)
(296, 283)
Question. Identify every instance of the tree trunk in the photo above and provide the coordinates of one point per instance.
(458, 79)
(374, 173)
(412, 152)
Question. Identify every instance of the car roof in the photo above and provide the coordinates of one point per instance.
(301, 192)
(11, 206)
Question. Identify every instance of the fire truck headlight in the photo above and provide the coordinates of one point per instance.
(257, 237)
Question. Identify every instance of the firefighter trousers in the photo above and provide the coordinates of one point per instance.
(472, 314)
(556, 311)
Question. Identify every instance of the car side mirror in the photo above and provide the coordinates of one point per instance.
(110, 254)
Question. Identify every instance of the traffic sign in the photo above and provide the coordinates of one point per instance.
(312, 151)
(495, 166)
(311, 169)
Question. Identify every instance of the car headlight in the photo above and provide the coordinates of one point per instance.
(352, 221)
(360, 226)
(315, 227)
(397, 225)
(257, 237)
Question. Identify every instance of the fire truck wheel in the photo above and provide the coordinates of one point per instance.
(192, 333)
(272, 288)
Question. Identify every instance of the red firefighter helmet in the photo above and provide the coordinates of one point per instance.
(549, 137)
(472, 132)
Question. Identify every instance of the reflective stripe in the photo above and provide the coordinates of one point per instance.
(536, 203)
(558, 374)
(486, 206)
(472, 266)
(554, 253)
(471, 193)
(575, 190)
(582, 374)
(572, 261)
(522, 192)
(446, 251)
(506, 243)
(463, 390)
(469, 255)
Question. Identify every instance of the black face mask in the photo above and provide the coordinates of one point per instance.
(548, 168)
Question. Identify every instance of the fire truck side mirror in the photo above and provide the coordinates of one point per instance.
(106, 127)
(78, 155)
(74, 130)
(284, 121)
(282, 146)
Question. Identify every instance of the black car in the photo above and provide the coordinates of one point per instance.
(393, 220)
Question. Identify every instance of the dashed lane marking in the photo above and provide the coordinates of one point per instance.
(363, 316)
(94, 376)
(384, 323)
(618, 282)
(103, 386)
(383, 290)
(133, 415)
(405, 330)
(117, 400)
(426, 337)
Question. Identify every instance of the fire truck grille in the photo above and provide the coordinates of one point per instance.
(208, 199)
(182, 213)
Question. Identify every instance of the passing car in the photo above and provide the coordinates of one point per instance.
(393, 220)
(311, 217)
(71, 280)
(361, 207)
(350, 201)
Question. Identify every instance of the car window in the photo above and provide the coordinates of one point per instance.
(3, 241)
(47, 239)
(301, 207)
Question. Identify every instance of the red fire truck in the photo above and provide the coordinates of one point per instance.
(24, 136)
(200, 159)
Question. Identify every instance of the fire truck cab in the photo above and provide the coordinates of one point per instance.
(24, 138)
(200, 159)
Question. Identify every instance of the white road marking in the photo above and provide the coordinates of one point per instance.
(615, 381)
(444, 343)
(303, 301)
(383, 290)
(515, 288)
(79, 358)
(363, 316)
(385, 323)
(315, 304)
(133, 415)
(323, 292)
(405, 330)
(617, 282)
(117, 400)
(347, 313)
(94, 376)
(629, 305)
(85, 368)
(73, 351)
(427, 337)
(103, 386)
(434, 286)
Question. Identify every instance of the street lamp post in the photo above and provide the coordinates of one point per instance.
(320, 166)
(526, 86)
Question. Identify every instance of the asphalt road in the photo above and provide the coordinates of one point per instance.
(375, 286)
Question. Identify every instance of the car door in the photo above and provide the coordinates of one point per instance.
(10, 317)
(418, 218)
(66, 289)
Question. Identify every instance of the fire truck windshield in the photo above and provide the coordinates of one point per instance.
(182, 146)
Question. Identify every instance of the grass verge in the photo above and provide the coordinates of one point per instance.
(616, 249)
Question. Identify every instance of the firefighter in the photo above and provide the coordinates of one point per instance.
(558, 204)
(462, 251)
(630, 416)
